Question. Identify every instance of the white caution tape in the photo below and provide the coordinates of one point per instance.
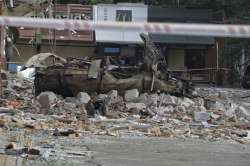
(217, 30)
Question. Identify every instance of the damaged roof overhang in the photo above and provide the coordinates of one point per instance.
(43, 60)
(177, 39)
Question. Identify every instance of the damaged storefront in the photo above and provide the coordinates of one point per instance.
(194, 58)
(66, 43)
(189, 57)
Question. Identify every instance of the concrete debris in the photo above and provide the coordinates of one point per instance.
(207, 116)
(148, 100)
(137, 106)
(180, 108)
(83, 97)
(102, 97)
(71, 100)
(143, 98)
(186, 102)
(154, 99)
(46, 99)
(65, 133)
(241, 112)
(131, 95)
(168, 100)
(240, 133)
(69, 106)
(201, 116)
(215, 116)
(215, 105)
(199, 102)
(113, 94)
(230, 112)
(196, 109)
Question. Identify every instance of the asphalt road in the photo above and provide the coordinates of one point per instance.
(111, 151)
(165, 152)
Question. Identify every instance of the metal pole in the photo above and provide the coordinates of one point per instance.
(178, 3)
(217, 56)
(2, 50)
(243, 59)
(54, 31)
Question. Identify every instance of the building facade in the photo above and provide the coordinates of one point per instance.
(188, 56)
(191, 57)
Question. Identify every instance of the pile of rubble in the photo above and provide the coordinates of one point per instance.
(211, 114)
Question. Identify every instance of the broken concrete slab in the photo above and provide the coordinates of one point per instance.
(102, 97)
(71, 100)
(143, 98)
(113, 94)
(131, 95)
(154, 99)
(181, 108)
(186, 102)
(195, 108)
(69, 106)
(168, 100)
(137, 106)
(46, 99)
(215, 105)
(83, 97)
(199, 101)
(149, 100)
(201, 116)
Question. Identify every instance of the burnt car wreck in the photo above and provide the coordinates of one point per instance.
(70, 76)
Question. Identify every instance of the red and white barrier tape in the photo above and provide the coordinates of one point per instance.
(217, 30)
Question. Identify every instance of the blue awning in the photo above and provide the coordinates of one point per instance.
(111, 50)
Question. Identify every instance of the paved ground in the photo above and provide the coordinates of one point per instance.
(162, 152)
(110, 151)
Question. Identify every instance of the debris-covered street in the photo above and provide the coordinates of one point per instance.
(109, 129)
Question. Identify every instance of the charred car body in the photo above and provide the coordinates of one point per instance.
(70, 76)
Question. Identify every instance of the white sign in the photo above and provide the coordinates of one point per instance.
(120, 13)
